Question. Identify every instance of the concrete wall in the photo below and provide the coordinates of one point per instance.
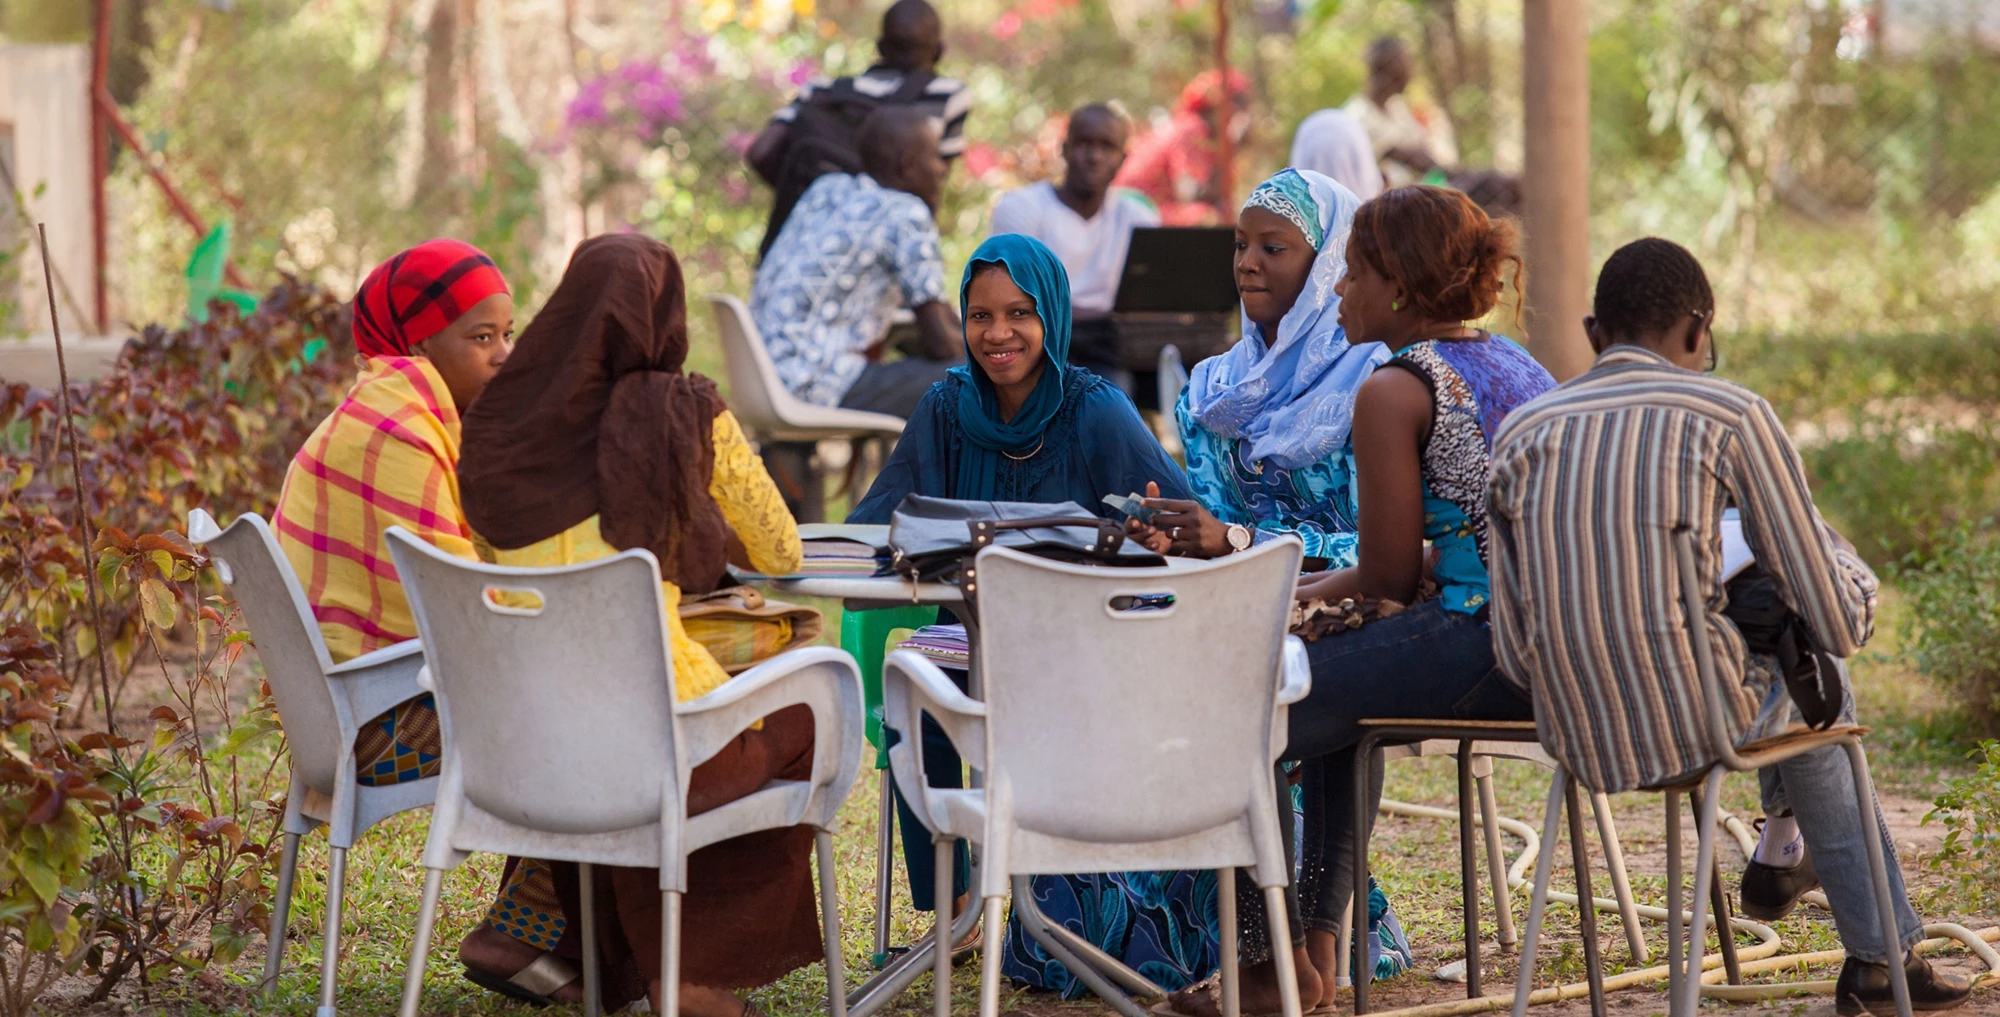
(45, 108)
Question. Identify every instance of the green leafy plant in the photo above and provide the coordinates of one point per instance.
(1954, 621)
(1969, 810)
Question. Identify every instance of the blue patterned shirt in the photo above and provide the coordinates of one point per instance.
(852, 252)
(1315, 503)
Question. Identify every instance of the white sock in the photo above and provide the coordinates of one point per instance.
(1780, 847)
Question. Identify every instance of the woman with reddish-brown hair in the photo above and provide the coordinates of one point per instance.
(1387, 636)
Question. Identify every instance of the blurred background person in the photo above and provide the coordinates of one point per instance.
(1178, 166)
(1410, 140)
(1331, 142)
(819, 132)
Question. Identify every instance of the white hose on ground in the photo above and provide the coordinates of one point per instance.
(1753, 959)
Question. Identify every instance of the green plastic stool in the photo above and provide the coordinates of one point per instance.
(865, 634)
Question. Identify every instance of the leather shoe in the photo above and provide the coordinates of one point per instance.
(1770, 893)
(1864, 988)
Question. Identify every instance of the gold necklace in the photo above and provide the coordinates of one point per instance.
(1030, 454)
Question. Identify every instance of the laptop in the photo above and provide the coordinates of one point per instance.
(1179, 270)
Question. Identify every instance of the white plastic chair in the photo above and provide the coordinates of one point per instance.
(1172, 376)
(1684, 974)
(762, 404)
(1113, 739)
(323, 706)
(563, 740)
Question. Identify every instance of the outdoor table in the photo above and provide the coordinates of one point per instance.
(1096, 969)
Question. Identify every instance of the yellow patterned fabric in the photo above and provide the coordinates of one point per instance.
(754, 509)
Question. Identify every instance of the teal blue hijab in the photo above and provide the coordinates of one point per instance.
(1040, 274)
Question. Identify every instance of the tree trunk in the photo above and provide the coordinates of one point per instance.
(440, 154)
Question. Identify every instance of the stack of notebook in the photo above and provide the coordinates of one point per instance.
(945, 645)
(833, 549)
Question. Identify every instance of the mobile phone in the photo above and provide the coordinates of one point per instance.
(1131, 506)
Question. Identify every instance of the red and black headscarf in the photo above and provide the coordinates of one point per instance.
(417, 293)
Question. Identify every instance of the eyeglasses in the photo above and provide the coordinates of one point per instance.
(1706, 319)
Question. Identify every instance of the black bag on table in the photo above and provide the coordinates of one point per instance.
(935, 539)
(1772, 629)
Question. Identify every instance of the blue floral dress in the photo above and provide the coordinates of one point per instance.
(1315, 503)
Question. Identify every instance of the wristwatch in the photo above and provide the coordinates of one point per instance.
(1239, 537)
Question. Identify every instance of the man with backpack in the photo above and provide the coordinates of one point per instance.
(819, 132)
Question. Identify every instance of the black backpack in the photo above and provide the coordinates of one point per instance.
(1772, 629)
(821, 139)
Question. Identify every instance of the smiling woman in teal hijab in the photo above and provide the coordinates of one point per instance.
(1019, 422)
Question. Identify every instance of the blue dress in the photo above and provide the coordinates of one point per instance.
(1161, 923)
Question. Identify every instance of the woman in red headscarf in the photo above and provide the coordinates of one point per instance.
(1177, 167)
(432, 326)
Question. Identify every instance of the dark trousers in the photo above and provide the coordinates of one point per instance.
(1425, 663)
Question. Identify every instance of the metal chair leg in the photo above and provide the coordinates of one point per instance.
(1621, 885)
(413, 976)
(1524, 984)
(1704, 877)
(281, 913)
(1878, 870)
(941, 928)
(1225, 906)
(1725, 934)
(1468, 869)
(1675, 919)
(885, 847)
(1496, 864)
(592, 998)
(329, 958)
(1586, 902)
(829, 906)
(670, 953)
(1281, 952)
(1357, 939)
(989, 962)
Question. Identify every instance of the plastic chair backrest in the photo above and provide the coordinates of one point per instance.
(755, 394)
(554, 685)
(1172, 377)
(287, 637)
(1105, 725)
(865, 636)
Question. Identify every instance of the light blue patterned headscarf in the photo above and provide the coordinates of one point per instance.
(1293, 398)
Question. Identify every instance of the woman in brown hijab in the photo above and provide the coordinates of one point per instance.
(593, 440)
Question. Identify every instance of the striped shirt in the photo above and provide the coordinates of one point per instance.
(944, 100)
(1589, 484)
(386, 456)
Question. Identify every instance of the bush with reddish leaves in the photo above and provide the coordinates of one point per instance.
(126, 855)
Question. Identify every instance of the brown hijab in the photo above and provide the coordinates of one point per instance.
(592, 415)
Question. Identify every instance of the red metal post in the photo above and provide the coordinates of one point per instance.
(100, 159)
(108, 109)
(1225, 148)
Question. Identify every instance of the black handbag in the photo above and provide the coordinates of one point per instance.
(1772, 629)
(935, 539)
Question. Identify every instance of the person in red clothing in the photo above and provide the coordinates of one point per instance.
(1178, 167)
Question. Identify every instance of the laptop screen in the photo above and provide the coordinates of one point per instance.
(1179, 269)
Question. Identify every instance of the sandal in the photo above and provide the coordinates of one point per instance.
(537, 983)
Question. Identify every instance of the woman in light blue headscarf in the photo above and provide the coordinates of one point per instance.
(1018, 422)
(1265, 425)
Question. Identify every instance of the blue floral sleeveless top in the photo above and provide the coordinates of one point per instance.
(1474, 384)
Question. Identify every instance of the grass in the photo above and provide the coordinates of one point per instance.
(1416, 861)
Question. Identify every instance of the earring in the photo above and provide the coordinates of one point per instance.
(1395, 305)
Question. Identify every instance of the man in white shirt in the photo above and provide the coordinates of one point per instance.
(1410, 143)
(1083, 219)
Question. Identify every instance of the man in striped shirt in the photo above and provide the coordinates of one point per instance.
(1590, 482)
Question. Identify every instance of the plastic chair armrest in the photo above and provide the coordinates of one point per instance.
(911, 687)
(710, 722)
(1295, 672)
(377, 682)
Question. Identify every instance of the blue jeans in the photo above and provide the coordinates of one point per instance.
(1818, 788)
